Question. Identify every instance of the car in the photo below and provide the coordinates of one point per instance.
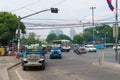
(55, 52)
(82, 50)
(33, 58)
(118, 47)
(90, 48)
(79, 50)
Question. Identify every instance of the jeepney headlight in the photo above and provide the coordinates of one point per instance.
(24, 59)
(59, 50)
(52, 50)
(41, 59)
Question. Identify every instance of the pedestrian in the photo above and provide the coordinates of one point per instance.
(43, 51)
(2, 52)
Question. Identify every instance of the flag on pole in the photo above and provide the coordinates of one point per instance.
(110, 5)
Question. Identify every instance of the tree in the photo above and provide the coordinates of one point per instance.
(99, 33)
(63, 36)
(88, 34)
(103, 30)
(8, 27)
(51, 37)
(32, 40)
(78, 39)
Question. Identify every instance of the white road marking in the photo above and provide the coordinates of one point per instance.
(16, 70)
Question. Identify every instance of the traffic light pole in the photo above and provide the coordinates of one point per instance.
(53, 10)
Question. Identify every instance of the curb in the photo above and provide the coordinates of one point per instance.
(108, 64)
(10, 68)
(14, 65)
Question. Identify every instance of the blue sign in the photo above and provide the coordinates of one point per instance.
(100, 46)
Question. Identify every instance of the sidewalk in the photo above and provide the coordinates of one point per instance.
(5, 63)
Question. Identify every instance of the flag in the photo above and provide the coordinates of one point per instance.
(110, 5)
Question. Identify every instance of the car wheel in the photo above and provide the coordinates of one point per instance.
(43, 67)
(24, 67)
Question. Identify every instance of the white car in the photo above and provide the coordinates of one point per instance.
(90, 48)
(118, 47)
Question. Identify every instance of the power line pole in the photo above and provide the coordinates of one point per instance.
(116, 32)
(92, 8)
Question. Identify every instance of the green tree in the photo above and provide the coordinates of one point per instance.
(78, 39)
(32, 40)
(51, 37)
(99, 33)
(88, 34)
(8, 27)
(63, 36)
(102, 31)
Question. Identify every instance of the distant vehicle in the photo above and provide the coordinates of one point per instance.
(79, 50)
(64, 45)
(55, 52)
(33, 58)
(118, 47)
(90, 48)
(82, 50)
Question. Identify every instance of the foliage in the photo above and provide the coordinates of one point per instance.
(88, 34)
(100, 33)
(63, 36)
(8, 27)
(53, 36)
(78, 39)
(32, 40)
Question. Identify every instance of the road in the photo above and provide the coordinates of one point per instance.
(70, 67)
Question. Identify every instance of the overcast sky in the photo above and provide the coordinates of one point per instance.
(70, 11)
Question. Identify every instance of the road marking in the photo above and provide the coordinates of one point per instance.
(16, 70)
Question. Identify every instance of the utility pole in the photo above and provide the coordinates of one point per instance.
(116, 32)
(92, 8)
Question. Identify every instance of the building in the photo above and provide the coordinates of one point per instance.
(72, 33)
(57, 32)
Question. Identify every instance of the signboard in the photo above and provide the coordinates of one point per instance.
(100, 46)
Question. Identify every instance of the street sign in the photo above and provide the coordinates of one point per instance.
(100, 46)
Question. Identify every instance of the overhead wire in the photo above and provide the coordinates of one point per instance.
(30, 4)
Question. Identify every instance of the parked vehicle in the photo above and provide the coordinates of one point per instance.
(33, 58)
(55, 52)
(90, 48)
(118, 47)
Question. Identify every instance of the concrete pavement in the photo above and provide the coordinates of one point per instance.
(6, 62)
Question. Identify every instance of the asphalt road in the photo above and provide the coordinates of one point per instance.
(70, 67)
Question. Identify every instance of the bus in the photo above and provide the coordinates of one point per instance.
(64, 45)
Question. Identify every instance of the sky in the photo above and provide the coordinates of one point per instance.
(70, 12)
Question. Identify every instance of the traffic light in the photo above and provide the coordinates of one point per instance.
(54, 10)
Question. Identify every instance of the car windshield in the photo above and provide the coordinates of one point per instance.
(91, 47)
(33, 51)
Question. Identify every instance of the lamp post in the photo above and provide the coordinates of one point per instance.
(53, 10)
(92, 8)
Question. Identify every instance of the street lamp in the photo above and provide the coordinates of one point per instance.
(53, 10)
(92, 8)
